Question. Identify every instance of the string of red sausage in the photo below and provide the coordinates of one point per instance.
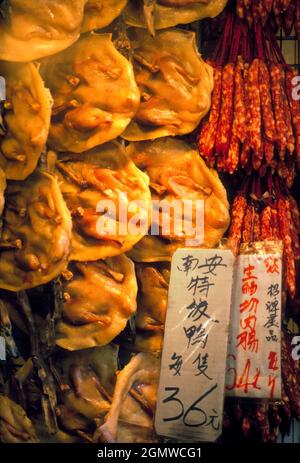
(255, 119)
(261, 421)
(283, 13)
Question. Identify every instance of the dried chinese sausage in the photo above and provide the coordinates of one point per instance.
(294, 106)
(266, 220)
(297, 19)
(98, 300)
(94, 91)
(28, 32)
(289, 18)
(168, 13)
(103, 174)
(226, 115)
(238, 212)
(239, 121)
(246, 236)
(287, 116)
(266, 102)
(174, 82)
(280, 12)
(100, 13)
(278, 103)
(254, 107)
(284, 219)
(36, 236)
(208, 132)
(233, 154)
(265, 211)
(15, 426)
(177, 172)
(27, 112)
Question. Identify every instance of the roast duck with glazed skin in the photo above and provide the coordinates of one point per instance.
(174, 82)
(161, 14)
(153, 280)
(94, 94)
(28, 33)
(176, 171)
(99, 298)
(103, 174)
(27, 99)
(36, 233)
(103, 404)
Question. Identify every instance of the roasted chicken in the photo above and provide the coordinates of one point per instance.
(160, 14)
(103, 174)
(174, 82)
(177, 172)
(26, 119)
(94, 91)
(99, 298)
(36, 235)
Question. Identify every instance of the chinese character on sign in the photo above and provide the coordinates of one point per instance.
(272, 320)
(176, 365)
(273, 290)
(196, 335)
(189, 263)
(202, 365)
(199, 284)
(272, 264)
(211, 264)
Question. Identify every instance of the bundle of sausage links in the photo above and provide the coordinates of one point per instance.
(262, 420)
(282, 13)
(254, 120)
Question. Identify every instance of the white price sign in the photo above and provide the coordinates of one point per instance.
(192, 380)
(254, 368)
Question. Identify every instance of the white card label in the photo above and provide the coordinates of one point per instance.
(254, 368)
(192, 379)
